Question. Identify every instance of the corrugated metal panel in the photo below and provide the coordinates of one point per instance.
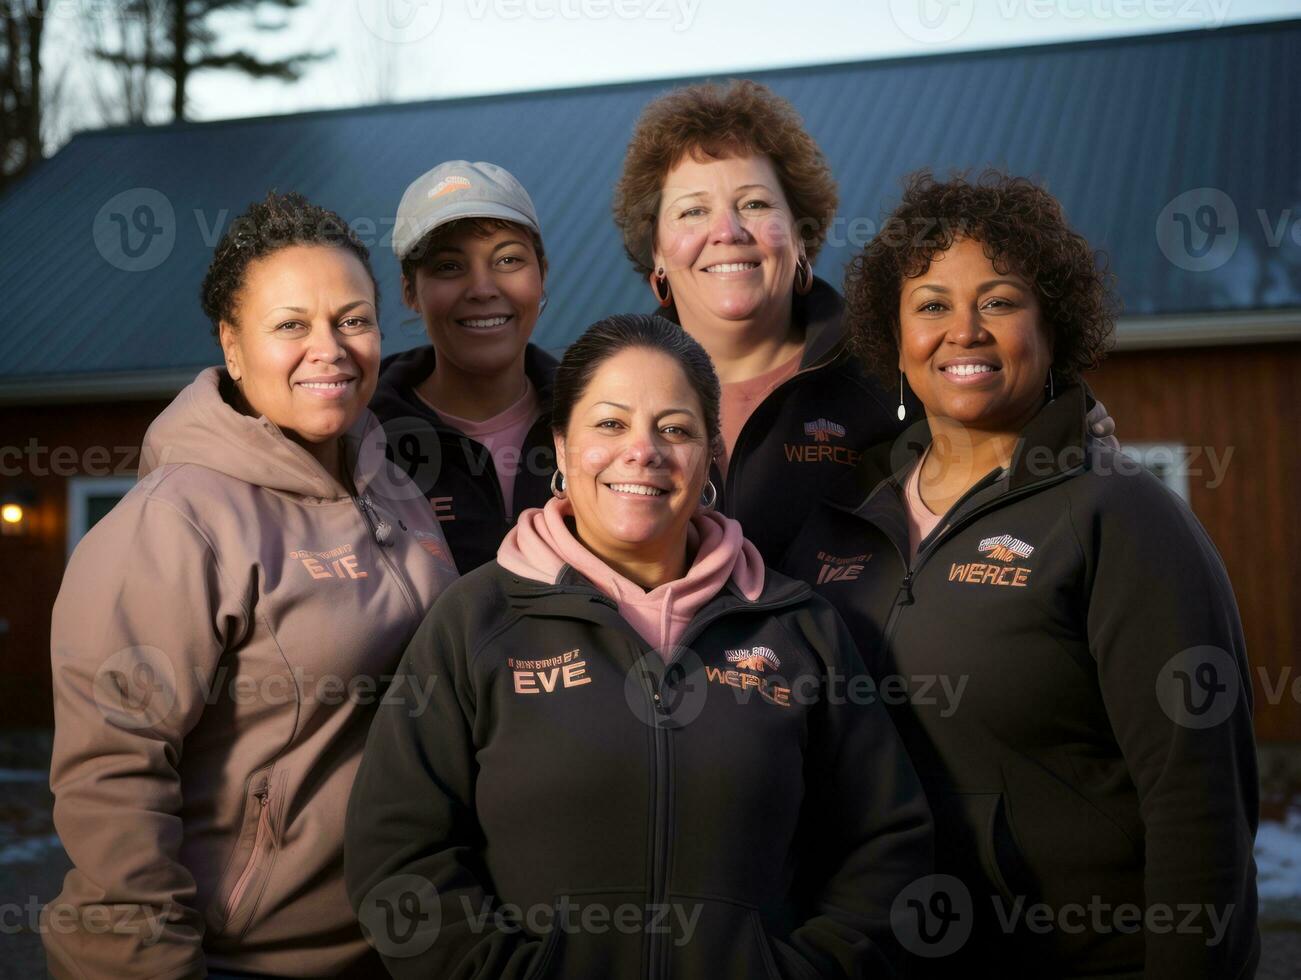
(1115, 128)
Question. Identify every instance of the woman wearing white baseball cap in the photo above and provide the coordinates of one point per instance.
(466, 414)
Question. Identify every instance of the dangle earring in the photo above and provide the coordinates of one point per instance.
(659, 284)
(1049, 385)
(902, 411)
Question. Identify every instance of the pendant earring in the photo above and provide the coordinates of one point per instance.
(803, 276)
(659, 284)
(902, 411)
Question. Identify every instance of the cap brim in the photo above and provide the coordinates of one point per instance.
(471, 209)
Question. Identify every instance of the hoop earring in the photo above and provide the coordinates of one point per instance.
(903, 412)
(803, 276)
(1049, 385)
(709, 496)
(558, 491)
(659, 284)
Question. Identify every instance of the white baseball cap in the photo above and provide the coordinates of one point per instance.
(460, 189)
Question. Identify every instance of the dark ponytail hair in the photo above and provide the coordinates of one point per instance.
(624, 331)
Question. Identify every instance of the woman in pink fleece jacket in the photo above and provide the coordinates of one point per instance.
(222, 636)
(644, 754)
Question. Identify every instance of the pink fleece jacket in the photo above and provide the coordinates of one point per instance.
(541, 544)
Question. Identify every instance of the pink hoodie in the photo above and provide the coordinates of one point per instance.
(541, 544)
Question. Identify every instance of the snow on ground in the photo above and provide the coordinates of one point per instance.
(1278, 859)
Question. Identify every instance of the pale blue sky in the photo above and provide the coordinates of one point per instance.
(401, 50)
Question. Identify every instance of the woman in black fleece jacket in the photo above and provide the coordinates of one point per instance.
(1053, 629)
(643, 754)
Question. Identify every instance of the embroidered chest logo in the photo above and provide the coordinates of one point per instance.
(745, 676)
(337, 563)
(837, 569)
(823, 432)
(1004, 552)
(757, 659)
(569, 669)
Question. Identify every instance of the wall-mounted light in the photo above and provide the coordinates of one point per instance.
(16, 508)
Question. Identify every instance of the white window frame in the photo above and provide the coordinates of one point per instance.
(1174, 459)
(80, 490)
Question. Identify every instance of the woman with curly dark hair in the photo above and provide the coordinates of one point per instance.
(222, 637)
(1053, 629)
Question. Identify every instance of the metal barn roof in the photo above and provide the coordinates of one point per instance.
(106, 243)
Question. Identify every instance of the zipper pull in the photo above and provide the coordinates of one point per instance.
(906, 589)
(383, 529)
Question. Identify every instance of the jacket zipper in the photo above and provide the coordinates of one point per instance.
(904, 596)
(383, 531)
(657, 961)
(263, 829)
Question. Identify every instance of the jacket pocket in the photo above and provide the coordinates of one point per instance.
(716, 938)
(241, 886)
(974, 840)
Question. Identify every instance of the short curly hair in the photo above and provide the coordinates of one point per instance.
(719, 121)
(1022, 229)
(277, 221)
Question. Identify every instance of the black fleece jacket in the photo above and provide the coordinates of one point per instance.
(810, 430)
(455, 472)
(1065, 662)
(567, 806)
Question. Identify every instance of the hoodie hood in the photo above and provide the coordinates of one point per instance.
(541, 545)
(201, 427)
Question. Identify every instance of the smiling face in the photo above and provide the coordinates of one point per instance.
(479, 296)
(304, 350)
(635, 457)
(972, 343)
(726, 238)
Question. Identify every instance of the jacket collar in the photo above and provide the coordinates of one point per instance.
(573, 596)
(821, 313)
(401, 373)
(1052, 444)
